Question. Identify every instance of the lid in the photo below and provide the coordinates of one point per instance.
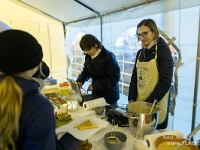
(71, 95)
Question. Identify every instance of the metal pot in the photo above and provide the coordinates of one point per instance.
(140, 123)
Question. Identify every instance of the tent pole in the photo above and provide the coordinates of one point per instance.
(100, 17)
(49, 50)
(101, 29)
(196, 81)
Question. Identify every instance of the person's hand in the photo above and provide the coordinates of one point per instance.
(80, 84)
(90, 87)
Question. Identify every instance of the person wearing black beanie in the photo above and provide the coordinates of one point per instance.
(43, 71)
(27, 118)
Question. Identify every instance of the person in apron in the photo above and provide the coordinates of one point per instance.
(153, 70)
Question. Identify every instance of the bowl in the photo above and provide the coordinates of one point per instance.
(62, 113)
(171, 142)
(99, 110)
(141, 122)
(122, 138)
(62, 110)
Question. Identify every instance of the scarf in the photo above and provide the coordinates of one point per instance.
(150, 45)
(96, 54)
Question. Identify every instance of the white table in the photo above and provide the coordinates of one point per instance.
(98, 138)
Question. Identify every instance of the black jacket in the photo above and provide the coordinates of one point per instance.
(105, 73)
(165, 69)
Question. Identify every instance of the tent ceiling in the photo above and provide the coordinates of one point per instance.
(68, 11)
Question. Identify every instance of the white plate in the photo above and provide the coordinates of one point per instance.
(61, 110)
(93, 145)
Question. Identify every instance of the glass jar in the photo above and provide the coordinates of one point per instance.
(72, 101)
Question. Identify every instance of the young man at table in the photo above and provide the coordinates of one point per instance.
(100, 65)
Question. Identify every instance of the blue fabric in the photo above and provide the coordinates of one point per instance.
(37, 123)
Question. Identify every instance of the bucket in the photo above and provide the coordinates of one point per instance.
(141, 121)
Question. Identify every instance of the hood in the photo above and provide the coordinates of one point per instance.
(27, 86)
(161, 42)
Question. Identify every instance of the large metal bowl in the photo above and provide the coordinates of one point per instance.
(141, 123)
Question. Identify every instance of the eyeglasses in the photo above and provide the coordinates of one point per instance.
(144, 34)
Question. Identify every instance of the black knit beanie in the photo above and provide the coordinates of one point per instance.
(19, 51)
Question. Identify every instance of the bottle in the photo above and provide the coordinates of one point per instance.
(72, 101)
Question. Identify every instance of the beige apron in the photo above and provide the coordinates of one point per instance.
(147, 79)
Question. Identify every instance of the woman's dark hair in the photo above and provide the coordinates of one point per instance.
(88, 41)
(151, 25)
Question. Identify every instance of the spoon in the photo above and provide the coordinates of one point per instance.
(154, 102)
(113, 139)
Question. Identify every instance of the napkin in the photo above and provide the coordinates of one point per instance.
(94, 103)
(82, 134)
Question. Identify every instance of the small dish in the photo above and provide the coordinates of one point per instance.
(86, 145)
(122, 140)
(99, 110)
(61, 113)
(62, 110)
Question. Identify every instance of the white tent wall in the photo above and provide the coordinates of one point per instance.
(179, 19)
(183, 24)
(48, 32)
(72, 32)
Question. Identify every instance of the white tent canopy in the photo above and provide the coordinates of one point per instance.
(48, 31)
(68, 11)
(58, 24)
